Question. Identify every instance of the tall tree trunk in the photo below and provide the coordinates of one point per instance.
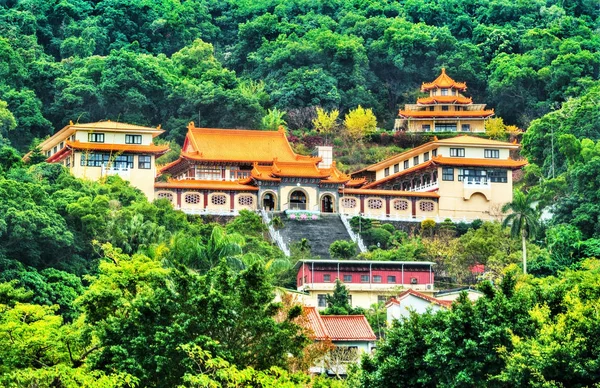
(523, 239)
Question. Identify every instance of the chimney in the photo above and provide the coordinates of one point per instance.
(326, 155)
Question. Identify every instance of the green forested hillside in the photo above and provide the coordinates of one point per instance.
(224, 63)
(101, 288)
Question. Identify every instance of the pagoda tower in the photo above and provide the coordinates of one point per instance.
(446, 109)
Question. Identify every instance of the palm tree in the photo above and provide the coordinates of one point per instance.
(523, 219)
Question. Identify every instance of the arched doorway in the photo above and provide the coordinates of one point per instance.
(327, 204)
(268, 202)
(298, 200)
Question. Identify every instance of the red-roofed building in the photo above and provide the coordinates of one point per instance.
(368, 282)
(341, 330)
(351, 335)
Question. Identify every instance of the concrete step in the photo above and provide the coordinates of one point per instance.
(320, 233)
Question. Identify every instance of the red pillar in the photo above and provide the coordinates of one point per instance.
(231, 200)
(362, 204)
(413, 207)
(387, 206)
(178, 198)
(205, 199)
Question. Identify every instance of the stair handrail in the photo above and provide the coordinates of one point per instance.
(275, 235)
(354, 236)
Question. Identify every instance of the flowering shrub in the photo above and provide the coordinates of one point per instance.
(303, 217)
(314, 217)
(292, 216)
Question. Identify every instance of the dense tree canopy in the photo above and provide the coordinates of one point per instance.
(101, 288)
(171, 63)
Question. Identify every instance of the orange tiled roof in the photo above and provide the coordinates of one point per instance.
(135, 148)
(169, 165)
(100, 126)
(339, 327)
(447, 113)
(240, 145)
(404, 294)
(205, 185)
(335, 175)
(263, 173)
(109, 125)
(444, 100)
(443, 81)
(457, 140)
(476, 162)
(398, 174)
(356, 182)
(316, 324)
(392, 193)
(297, 169)
(476, 141)
(348, 328)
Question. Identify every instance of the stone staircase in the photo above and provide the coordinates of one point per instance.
(320, 233)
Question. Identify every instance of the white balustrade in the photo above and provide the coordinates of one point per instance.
(354, 236)
(426, 187)
(478, 183)
(275, 235)
(123, 172)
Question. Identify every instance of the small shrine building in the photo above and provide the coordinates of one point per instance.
(446, 109)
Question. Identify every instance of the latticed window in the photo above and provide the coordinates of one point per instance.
(401, 205)
(426, 206)
(375, 204)
(349, 203)
(193, 198)
(245, 200)
(218, 199)
(164, 195)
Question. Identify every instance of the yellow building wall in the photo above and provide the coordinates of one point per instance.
(188, 197)
(237, 205)
(372, 211)
(427, 214)
(167, 194)
(458, 201)
(380, 174)
(113, 137)
(475, 152)
(401, 213)
(311, 194)
(219, 207)
(349, 210)
(143, 179)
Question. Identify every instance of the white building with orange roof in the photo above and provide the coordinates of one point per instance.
(413, 301)
(227, 170)
(96, 150)
(446, 109)
(461, 178)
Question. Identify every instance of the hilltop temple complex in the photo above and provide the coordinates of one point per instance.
(446, 109)
(222, 171)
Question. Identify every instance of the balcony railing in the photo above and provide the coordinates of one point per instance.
(297, 206)
(123, 172)
(426, 187)
(478, 182)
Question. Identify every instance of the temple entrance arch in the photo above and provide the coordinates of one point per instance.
(327, 204)
(269, 201)
(298, 200)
